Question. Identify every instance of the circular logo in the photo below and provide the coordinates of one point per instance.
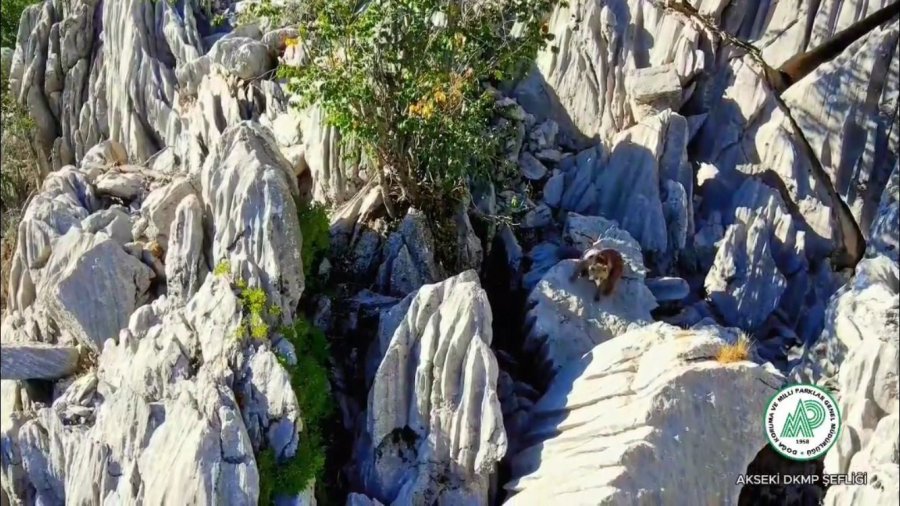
(802, 422)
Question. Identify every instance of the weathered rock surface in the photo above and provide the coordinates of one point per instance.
(858, 355)
(565, 321)
(866, 308)
(884, 236)
(409, 259)
(90, 287)
(185, 262)
(22, 361)
(248, 190)
(434, 429)
(670, 397)
(630, 182)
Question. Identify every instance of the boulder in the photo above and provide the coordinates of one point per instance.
(434, 429)
(532, 168)
(22, 361)
(652, 90)
(90, 287)
(114, 222)
(124, 185)
(613, 422)
(564, 321)
(159, 208)
(244, 57)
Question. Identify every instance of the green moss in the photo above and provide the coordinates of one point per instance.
(309, 380)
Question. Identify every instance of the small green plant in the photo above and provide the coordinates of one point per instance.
(276, 15)
(223, 268)
(254, 303)
(219, 20)
(309, 380)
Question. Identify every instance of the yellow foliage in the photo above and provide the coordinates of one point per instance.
(737, 352)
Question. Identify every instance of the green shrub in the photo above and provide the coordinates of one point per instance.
(9, 21)
(223, 268)
(408, 88)
(276, 15)
(257, 313)
(309, 380)
(314, 227)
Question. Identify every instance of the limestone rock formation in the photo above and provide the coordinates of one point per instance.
(865, 308)
(409, 260)
(564, 321)
(434, 429)
(245, 182)
(22, 361)
(630, 182)
(175, 162)
(670, 399)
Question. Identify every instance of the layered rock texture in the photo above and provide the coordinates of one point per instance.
(672, 401)
(176, 165)
(434, 428)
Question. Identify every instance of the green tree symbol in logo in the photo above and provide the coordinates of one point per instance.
(809, 415)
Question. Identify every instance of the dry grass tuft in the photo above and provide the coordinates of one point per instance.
(737, 352)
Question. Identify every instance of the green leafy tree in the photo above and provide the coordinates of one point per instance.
(10, 13)
(406, 79)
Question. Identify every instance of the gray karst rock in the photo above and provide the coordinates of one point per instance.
(336, 170)
(434, 429)
(37, 361)
(652, 90)
(408, 257)
(670, 398)
(246, 181)
(863, 309)
(114, 222)
(730, 133)
(762, 257)
(532, 168)
(126, 186)
(564, 321)
(185, 263)
(243, 57)
(857, 355)
(158, 210)
(174, 161)
(90, 286)
(624, 183)
(884, 236)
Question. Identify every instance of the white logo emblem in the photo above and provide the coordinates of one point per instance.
(802, 422)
